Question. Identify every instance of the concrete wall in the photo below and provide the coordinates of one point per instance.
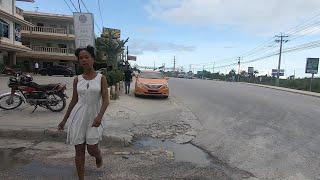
(7, 6)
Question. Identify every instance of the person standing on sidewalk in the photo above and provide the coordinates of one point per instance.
(127, 79)
(85, 111)
(36, 68)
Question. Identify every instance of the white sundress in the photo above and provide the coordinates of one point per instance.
(80, 121)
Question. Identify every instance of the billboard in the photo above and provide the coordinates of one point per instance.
(250, 70)
(132, 58)
(84, 29)
(312, 65)
(115, 33)
(275, 72)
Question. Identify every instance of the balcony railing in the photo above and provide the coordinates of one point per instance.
(66, 51)
(19, 11)
(46, 30)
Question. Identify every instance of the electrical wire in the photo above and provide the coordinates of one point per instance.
(68, 5)
(99, 5)
(96, 24)
(74, 6)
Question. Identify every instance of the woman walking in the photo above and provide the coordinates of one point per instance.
(85, 112)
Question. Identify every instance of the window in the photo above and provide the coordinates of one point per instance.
(4, 29)
(40, 24)
(62, 45)
(18, 32)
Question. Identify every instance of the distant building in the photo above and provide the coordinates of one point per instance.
(51, 40)
(11, 22)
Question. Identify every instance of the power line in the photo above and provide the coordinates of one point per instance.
(84, 6)
(79, 6)
(74, 6)
(300, 47)
(68, 5)
(99, 5)
(99, 28)
(267, 46)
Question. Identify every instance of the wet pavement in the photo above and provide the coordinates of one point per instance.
(147, 158)
(180, 152)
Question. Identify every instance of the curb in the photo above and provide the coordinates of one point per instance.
(307, 93)
(60, 136)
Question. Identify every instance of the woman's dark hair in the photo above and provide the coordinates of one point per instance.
(89, 49)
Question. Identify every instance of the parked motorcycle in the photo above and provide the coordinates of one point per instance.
(9, 71)
(23, 89)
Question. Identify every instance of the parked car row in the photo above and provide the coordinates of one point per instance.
(57, 70)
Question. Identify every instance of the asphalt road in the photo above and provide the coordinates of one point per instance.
(272, 134)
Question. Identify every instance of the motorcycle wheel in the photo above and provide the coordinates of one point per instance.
(56, 103)
(7, 103)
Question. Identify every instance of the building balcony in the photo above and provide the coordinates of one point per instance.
(47, 33)
(19, 13)
(50, 53)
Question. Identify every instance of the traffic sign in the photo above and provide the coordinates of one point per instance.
(312, 65)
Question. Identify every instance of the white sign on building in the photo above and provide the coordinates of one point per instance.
(84, 29)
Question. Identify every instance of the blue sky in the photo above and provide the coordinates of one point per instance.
(203, 31)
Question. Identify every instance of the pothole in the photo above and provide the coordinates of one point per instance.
(191, 154)
(180, 152)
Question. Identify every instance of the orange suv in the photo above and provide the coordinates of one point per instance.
(151, 83)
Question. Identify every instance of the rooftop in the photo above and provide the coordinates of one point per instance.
(47, 15)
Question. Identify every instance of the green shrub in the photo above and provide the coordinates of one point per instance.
(113, 76)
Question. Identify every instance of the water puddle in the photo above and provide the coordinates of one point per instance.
(8, 160)
(182, 152)
(35, 169)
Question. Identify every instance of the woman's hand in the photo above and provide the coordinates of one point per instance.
(97, 121)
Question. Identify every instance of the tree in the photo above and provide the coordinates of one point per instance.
(243, 73)
(110, 47)
(232, 72)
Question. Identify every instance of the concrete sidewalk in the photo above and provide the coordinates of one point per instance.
(307, 93)
(123, 119)
(42, 124)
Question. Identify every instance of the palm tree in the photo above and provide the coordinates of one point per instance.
(110, 47)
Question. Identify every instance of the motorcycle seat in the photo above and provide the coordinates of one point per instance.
(44, 87)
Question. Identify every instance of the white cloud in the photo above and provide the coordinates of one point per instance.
(253, 16)
(139, 46)
(146, 30)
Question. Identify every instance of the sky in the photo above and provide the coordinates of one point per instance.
(205, 33)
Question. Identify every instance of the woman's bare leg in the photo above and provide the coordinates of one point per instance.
(94, 151)
(80, 160)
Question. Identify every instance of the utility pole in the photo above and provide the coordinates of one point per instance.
(239, 63)
(174, 63)
(127, 52)
(281, 41)
(213, 67)
(154, 65)
(203, 72)
(79, 6)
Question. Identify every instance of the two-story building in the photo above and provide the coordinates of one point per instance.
(11, 22)
(51, 39)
